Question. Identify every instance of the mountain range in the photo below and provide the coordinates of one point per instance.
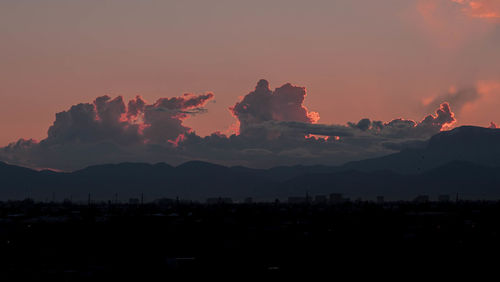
(464, 161)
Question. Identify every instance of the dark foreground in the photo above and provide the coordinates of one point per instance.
(40, 241)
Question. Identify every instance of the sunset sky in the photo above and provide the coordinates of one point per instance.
(356, 58)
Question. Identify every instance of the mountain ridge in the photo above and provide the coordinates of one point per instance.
(440, 167)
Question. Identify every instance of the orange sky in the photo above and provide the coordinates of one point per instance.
(376, 59)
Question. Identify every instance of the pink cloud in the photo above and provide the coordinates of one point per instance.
(483, 9)
(285, 103)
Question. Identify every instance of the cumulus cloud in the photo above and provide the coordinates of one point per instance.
(275, 126)
(404, 128)
(163, 119)
(135, 107)
(285, 103)
(269, 141)
(107, 130)
(444, 118)
(109, 119)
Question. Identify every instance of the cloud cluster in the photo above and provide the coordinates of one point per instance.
(404, 128)
(273, 142)
(107, 130)
(285, 103)
(110, 120)
(275, 129)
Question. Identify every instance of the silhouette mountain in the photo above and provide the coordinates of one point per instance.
(469, 180)
(467, 143)
(465, 160)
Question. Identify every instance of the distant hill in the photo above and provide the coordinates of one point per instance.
(467, 143)
(465, 160)
(468, 180)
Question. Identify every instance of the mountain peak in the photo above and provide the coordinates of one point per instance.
(466, 137)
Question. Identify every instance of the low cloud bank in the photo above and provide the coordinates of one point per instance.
(275, 129)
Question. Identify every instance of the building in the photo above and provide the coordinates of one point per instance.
(298, 200)
(380, 199)
(164, 201)
(220, 200)
(420, 199)
(321, 199)
(337, 198)
(444, 198)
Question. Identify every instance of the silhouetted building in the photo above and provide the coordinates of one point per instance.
(220, 200)
(444, 198)
(380, 199)
(249, 200)
(133, 201)
(336, 198)
(164, 201)
(321, 199)
(421, 199)
(298, 200)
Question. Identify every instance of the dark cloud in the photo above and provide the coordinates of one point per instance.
(276, 129)
(78, 124)
(108, 131)
(363, 124)
(404, 128)
(444, 116)
(135, 107)
(457, 99)
(163, 119)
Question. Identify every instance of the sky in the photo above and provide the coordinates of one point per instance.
(381, 60)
